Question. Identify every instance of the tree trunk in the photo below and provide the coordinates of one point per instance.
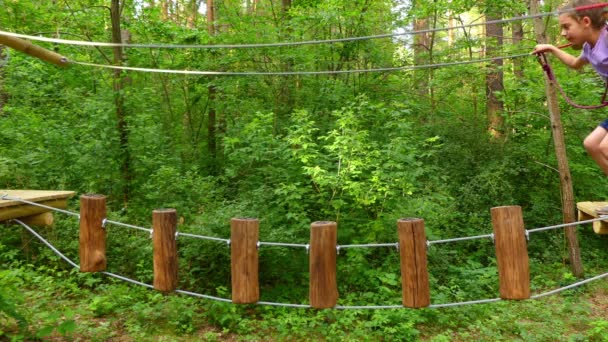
(192, 14)
(118, 85)
(568, 207)
(494, 76)
(517, 34)
(164, 9)
(211, 123)
(3, 61)
(421, 51)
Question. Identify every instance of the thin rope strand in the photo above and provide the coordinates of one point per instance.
(582, 282)
(48, 244)
(126, 225)
(280, 44)
(203, 237)
(281, 244)
(7, 197)
(292, 73)
(369, 245)
(486, 236)
(567, 224)
(194, 294)
(341, 307)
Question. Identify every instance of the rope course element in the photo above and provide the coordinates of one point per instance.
(309, 42)
(337, 307)
(307, 246)
(292, 73)
(10, 198)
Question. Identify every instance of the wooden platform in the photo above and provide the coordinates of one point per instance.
(586, 211)
(12, 209)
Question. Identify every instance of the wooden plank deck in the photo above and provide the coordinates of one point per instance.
(11, 209)
(586, 211)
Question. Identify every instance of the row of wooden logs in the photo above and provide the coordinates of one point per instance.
(510, 243)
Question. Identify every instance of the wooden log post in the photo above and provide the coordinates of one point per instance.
(323, 287)
(414, 273)
(92, 233)
(41, 220)
(33, 50)
(244, 235)
(164, 225)
(511, 252)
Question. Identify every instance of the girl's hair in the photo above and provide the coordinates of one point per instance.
(596, 15)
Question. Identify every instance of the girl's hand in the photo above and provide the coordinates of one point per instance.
(540, 48)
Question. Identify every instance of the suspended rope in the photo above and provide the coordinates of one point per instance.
(544, 62)
(292, 73)
(309, 42)
(337, 307)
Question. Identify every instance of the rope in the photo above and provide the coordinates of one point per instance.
(486, 236)
(542, 59)
(266, 45)
(128, 225)
(548, 293)
(577, 223)
(48, 244)
(310, 42)
(10, 198)
(281, 244)
(292, 73)
(226, 241)
(339, 307)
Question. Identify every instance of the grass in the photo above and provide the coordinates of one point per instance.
(61, 305)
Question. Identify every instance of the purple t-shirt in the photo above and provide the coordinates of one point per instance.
(597, 56)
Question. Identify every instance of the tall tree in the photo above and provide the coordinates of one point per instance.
(422, 47)
(494, 75)
(211, 123)
(118, 85)
(3, 61)
(567, 192)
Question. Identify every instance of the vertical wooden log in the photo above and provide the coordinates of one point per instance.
(323, 288)
(511, 252)
(92, 234)
(244, 235)
(164, 224)
(414, 273)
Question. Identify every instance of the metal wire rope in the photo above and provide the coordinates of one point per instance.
(339, 307)
(293, 73)
(284, 44)
(10, 198)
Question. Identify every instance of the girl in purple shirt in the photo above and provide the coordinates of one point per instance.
(586, 29)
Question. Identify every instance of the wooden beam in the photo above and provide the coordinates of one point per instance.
(39, 220)
(33, 50)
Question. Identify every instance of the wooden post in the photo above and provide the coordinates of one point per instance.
(40, 220)
(244, 235)
(511, 252)
(164, 223)
(92, 233)
(33, 50)
(323, 289)
(414, 273)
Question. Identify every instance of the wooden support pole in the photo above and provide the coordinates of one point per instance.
(323, 287)
(414, 273)
(33, 50)
(92, 233)
(164, 225)
(244, 235)
(511, 252)
(40, 220)
(24, 210)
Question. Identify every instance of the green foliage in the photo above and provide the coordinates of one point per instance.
(362, 149)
